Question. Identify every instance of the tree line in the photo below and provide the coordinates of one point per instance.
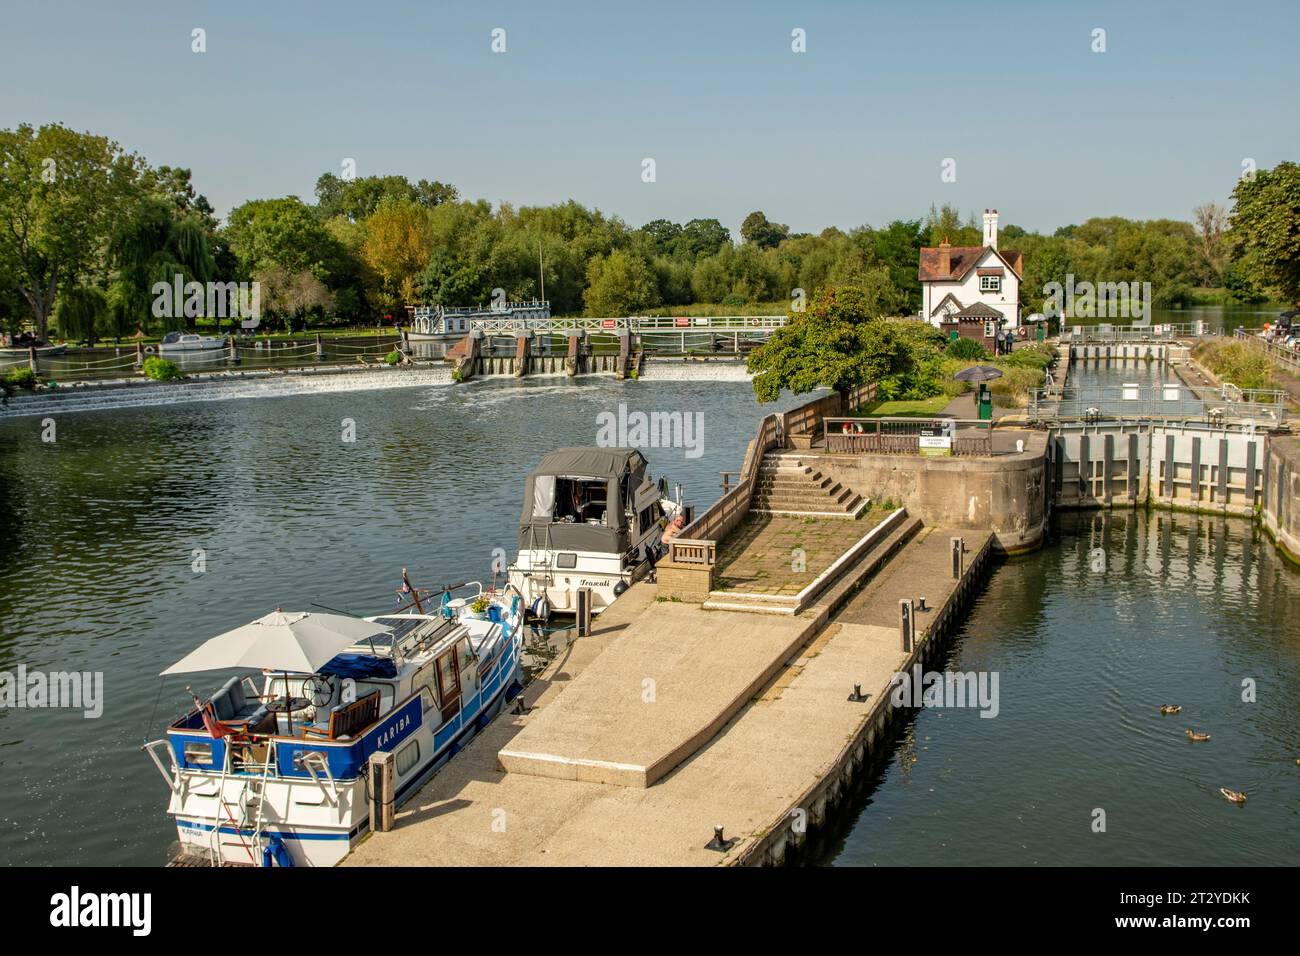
(87, 229)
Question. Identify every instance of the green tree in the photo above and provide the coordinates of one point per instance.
(1265, 224)
(60, 192)
(356, 199)
(840, 342)
(759, 230)
(82, 313)
(153, 244)
(620, 284)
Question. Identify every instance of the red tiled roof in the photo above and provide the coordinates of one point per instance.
(963, 259)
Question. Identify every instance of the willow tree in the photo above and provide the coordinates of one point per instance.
(154, 245)
(82, 313)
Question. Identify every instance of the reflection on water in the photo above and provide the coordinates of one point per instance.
(1182, 609)
(98, 533)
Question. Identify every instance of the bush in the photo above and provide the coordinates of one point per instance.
(161, 370)
(393, 357)
(1234, 362)
(20, 378)
(968, 350)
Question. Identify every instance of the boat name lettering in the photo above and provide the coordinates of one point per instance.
(393, 730)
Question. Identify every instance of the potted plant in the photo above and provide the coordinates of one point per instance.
(478, 607)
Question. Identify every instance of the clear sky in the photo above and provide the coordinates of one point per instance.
(853, 131)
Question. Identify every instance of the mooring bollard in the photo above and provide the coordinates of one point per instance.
(958, 557)
(234, 351)
(320, 347)
(382, 798)
(31, 359)
(857, 696)
(584, 612)
(139, 355)
(719, 842)
(906, 624)
(920, 603)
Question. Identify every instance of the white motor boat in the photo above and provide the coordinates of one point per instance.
(592, 518)
(281, 773)
(190, 342)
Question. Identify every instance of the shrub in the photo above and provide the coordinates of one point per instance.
(160, 369)
(1236, 363)
(968, 350)
(20, 378)
(393, 357)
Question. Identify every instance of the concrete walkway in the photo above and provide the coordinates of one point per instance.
(785, 740)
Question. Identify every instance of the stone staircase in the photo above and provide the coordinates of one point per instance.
(786, 486)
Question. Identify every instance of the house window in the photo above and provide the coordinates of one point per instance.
(990, 283)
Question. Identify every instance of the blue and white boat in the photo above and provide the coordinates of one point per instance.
(282, 773)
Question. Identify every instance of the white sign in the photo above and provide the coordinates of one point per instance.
(936, 441)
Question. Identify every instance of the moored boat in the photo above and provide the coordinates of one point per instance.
(190, 342)
(592, 518)
(281, 773)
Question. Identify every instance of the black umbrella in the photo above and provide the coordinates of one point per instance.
(978, 373)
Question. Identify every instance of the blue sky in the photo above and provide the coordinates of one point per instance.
(853, 131)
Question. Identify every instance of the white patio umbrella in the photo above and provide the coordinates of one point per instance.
(297, 641)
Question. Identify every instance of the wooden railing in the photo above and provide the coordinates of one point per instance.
(902, 436)
(697, 543)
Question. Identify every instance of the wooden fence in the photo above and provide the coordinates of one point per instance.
(902, 436)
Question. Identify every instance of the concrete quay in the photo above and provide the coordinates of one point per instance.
(749, 726)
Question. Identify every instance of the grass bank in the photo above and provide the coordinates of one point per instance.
(1236, 363)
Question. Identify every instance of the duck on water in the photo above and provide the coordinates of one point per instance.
(278, 772)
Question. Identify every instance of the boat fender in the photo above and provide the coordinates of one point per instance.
(619, 588)
(541, 608)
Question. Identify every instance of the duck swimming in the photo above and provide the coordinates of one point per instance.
(1235, 796)
(1170, 708)
(1194, 735)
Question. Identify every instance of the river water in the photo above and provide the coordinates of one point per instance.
(99, 532)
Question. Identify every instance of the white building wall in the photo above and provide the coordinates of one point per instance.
(968, 292)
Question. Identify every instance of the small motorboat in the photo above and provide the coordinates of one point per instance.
(190, 342)
(279, 772)
(592, 518)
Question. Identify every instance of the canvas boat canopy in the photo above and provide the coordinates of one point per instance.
(577, 499)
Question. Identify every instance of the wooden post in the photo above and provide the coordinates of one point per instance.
(31, 359)
(958, 557)
(139, 354)
(383, 801)
(906, 624)
(583, 616)
(234, 351)
(320, 347)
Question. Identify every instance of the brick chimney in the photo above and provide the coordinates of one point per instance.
(991, 228)
(945, 257)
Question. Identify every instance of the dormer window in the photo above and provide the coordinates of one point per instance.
(990, 283)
